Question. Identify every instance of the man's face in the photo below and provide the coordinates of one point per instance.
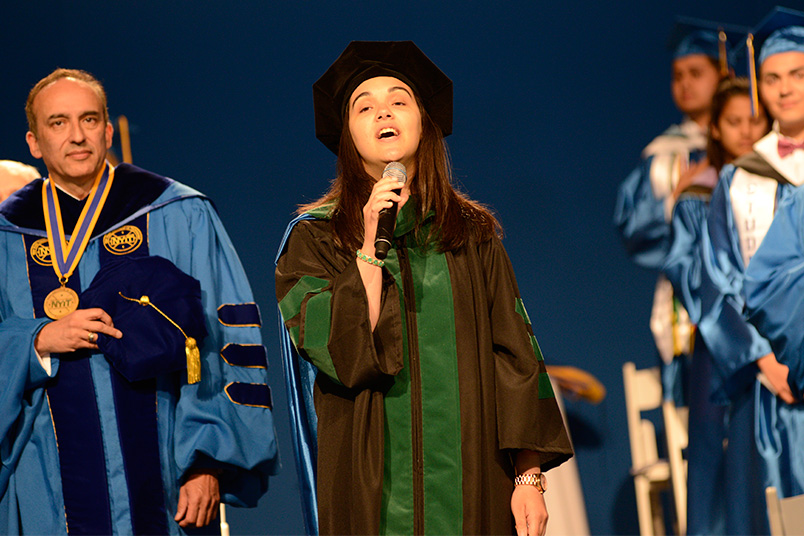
(695, 81)
(781, 84)
(72, 137)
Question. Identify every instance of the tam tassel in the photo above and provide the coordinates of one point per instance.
(190, 344)
(752, 75)
(722, 55)
(193, 361)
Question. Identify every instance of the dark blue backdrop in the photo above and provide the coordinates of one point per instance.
(553, 103)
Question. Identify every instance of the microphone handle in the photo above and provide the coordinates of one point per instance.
(385, 230)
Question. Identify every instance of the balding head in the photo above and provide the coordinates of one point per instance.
(15, 175)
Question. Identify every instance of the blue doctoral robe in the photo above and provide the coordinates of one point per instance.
(773, 290)
(717, 500)
(729, 247)
(87, 451)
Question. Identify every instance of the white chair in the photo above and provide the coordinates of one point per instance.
(786, 516)
(643, 392)
(676, 429)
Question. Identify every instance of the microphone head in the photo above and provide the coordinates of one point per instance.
(396, 170)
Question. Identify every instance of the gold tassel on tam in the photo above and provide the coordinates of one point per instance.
(193, 360)
(721, 52)
(190, 345)
(752, 75)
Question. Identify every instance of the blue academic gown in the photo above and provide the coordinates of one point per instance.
(642, 216)
(714, 472)
(735, 345)
(773, 290)
(83, 449)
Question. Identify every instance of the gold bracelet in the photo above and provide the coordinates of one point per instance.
(371, 260)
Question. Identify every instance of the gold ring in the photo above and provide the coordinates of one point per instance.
(92, 337)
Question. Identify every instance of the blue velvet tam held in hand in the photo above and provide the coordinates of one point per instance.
(152, 342)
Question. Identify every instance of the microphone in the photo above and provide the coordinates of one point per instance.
(387, 219)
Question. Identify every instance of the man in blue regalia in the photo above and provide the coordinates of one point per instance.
(105, 428)
(773, 283)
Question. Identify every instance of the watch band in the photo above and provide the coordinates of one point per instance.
(532, 479)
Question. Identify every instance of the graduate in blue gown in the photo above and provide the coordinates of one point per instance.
(773, 285)
(98, 434)
(645, 199)
(773, 288)
(720, 440)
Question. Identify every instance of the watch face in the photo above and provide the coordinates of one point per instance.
(543, 482)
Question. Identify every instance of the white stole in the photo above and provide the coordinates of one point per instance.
(665, 171)
(753, 197)
(753, 201)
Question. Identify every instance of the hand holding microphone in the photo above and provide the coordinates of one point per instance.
(387, 216)
(378, 221)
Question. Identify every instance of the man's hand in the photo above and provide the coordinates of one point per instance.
(75, 331)
(199, 499)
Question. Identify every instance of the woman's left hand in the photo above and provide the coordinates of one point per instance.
(530, 511)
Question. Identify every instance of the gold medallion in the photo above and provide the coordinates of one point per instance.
(61, 302)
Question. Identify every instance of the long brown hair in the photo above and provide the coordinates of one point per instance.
(726, 90)
(457, 219)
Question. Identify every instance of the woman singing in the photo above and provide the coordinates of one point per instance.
(433, 407)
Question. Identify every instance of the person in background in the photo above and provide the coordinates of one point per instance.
(13, 176)
(721, 447)
(134, 393)
(646, 197)
(773, 286)
(435, 413)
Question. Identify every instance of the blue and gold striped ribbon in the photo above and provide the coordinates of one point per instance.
(66, 255)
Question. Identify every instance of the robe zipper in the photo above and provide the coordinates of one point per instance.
(415, 390)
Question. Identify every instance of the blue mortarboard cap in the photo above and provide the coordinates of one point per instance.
(782, 30)
(151, 345)
(695, 36)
